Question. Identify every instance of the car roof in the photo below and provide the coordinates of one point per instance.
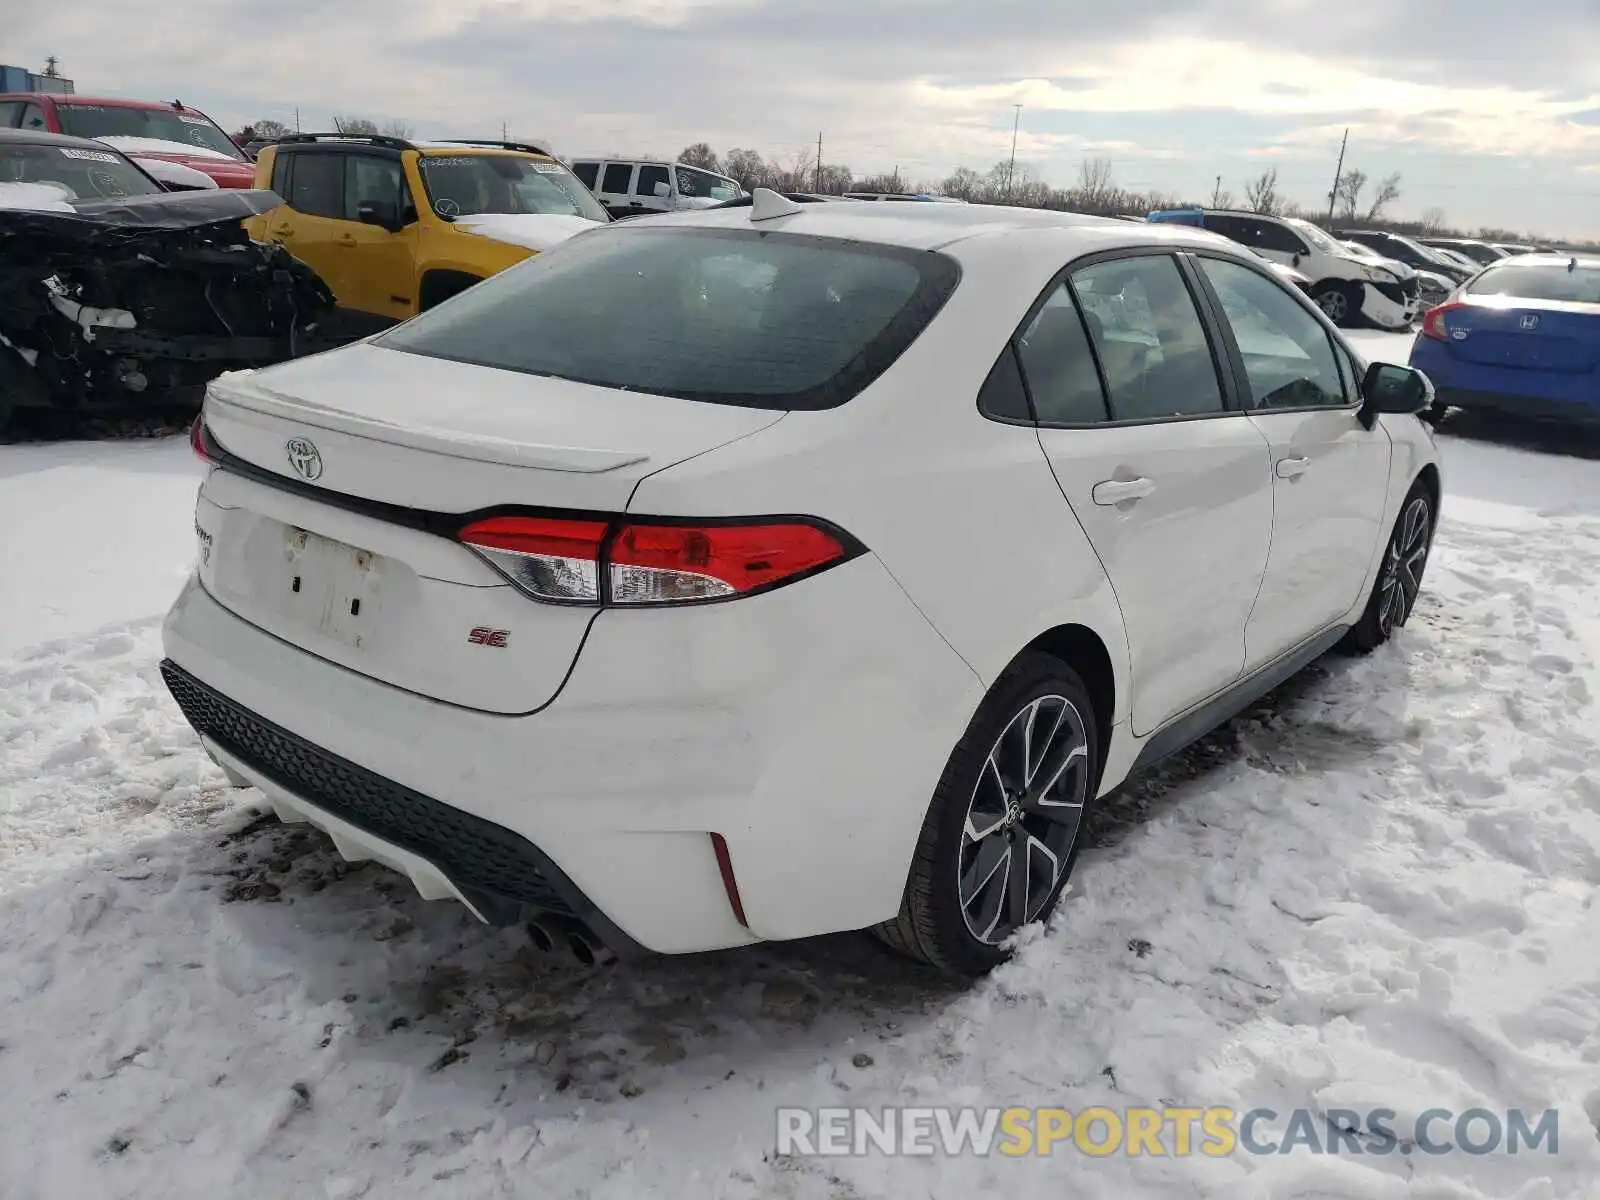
(41, 137)
(102, 101)
(1517, 262)
(933, 226)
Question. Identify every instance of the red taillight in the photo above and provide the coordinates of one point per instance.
(1433, 323)
(574, 561)
(200, 441)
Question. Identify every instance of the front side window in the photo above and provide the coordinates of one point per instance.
(469, 185)
(697, 185)
(649, 175)
(1059, 365)
(81, 174)
(370, 179)
(1150, 339)
(1288, 355)
(187, 130)
(725, 316)
(1273, 236)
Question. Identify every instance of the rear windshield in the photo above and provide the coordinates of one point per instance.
(1554, 282)
(761, 320)
(82, 174)
(183, 129)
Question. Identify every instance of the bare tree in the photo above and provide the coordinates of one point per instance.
(964, 184)
(836, 179)
(1096, 185)
(1261, 193)
(700, 155)
(1221, 197)
(399, 129)
(1347, 192)
(1388, 192)
(1434, 220)
(745, 166)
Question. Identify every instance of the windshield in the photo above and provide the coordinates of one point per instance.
(467, 185)
(1362, 251)
(1316, 237)
(186, 129)
(726, 316)
(85, 174)
(697, 184)
(1580, 284)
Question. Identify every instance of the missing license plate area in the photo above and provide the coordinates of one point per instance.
(331, 587)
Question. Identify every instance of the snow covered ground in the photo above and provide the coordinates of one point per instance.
(1381, 888)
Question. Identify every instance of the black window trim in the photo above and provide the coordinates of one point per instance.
(1241, 376)
(1227, 379)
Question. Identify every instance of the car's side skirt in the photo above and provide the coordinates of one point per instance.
(1199, 721)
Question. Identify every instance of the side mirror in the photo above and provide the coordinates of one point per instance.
(381, 213)
(1390, 388)
(663, 190)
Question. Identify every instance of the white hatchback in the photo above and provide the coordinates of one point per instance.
(765, 572)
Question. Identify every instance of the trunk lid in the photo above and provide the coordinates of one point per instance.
(353, 560)
(1556, 336)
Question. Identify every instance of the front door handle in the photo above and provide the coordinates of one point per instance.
(345, 239)
(283, 231)
(1120, 491)
(1291, 468)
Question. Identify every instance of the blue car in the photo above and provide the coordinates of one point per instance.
(1522, 337)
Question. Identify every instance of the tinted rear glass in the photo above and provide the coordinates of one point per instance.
(1554, 282)
(762, 320)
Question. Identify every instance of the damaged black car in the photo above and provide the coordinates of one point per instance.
(118, 296)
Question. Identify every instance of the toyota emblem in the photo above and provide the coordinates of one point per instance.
(303, 457)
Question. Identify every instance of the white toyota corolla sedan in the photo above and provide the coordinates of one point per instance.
(759, 573)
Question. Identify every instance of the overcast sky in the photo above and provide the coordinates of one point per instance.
(1489, 108)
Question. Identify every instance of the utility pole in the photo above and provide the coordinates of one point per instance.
(1338, 174)
(1011, 170)
(819, 162)
(503, 136)
(297, 118)
(1216, 193)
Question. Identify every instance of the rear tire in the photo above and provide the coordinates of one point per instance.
(1394, 592)
(1001, 837)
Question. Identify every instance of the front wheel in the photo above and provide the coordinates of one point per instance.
(1335, 299)
(1394, 594)
(1001, 835)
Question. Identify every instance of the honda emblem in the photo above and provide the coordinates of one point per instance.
(1530, 320)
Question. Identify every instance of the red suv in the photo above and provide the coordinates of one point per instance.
(141, 129)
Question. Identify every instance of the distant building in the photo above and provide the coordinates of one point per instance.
(20, 79)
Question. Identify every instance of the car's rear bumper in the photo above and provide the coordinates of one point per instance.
(807, 728)
(1541, 395)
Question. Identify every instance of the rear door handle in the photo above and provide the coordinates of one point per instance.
(345, 239)
(1291, 468)
(1120, 491)
(283, 231)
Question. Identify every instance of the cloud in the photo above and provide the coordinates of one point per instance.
(923, 84)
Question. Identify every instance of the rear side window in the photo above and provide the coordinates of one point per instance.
(1059, 364)
(616, 178)
(726, 316)
(1150, 339)
(280, 174)
(32, 117)
(587, 173)
(1580, 284)
(316, 187)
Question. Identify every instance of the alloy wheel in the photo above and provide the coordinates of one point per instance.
(1335, 303)
(1023, 818)
(1403, 564)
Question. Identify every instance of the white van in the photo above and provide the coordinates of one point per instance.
(634, 187)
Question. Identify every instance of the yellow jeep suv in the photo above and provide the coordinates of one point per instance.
(395, 226)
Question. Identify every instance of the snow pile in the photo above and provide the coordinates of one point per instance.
(163, 171)
(536, 231)
(1382, 888)
(36, 197)
(142, 145)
